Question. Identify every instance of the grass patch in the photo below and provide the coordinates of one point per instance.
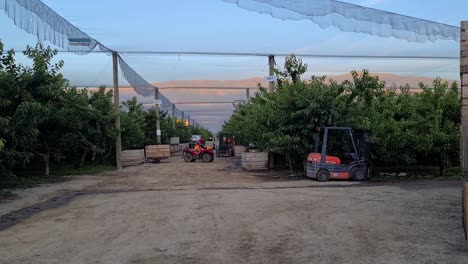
(90, 169)
(32, 176)
(415, 172)
(5, 194)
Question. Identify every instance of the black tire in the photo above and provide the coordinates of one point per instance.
(207, 157)
(323, 176)
(358, 174)
(188, 157)
(212, 158)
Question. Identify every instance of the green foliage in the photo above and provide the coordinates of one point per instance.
(133, 124)
(293, 69)
(20, 114)
(44, 121)
(198, 130)
(419, 128)
(139, 127)
(42, 117)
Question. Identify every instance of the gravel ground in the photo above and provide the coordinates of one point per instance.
(176, 212)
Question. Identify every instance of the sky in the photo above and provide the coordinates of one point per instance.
(214, 25)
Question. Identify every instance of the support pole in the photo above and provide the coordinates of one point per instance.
(247, 93)
(183, 120)
(118, 138)
(464, 119)
(271, 72)
(271, 88)
(173, 117)
(464, 94)
(158, 117)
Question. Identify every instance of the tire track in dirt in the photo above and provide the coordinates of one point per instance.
(12, 218)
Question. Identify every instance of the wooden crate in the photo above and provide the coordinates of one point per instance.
(132, 157)
(238, 150)
(157, 151)
(209, 144)
(175, 148)
(465, 210)
(184, 146)
(254, 160)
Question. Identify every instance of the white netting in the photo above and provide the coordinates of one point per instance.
(353, 18)
(144, 88)
(141, 86)
(38, 19)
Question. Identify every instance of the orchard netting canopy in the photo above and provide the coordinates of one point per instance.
(156, 40)
(353, 18)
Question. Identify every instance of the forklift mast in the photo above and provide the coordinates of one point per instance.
(360, 139)
(348, 130)
(363, 140)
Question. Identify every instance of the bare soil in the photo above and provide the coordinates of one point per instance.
(177, 212)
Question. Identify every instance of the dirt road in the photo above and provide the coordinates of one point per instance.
(178, 212)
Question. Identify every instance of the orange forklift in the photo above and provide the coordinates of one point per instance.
(226, 145)
(345, 154)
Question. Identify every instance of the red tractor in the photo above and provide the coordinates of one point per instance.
(198, 153)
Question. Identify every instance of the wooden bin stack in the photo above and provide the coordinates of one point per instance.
(158, 151)
(133, 157)
(464, 118)
(209, 144)
(238, 150)
(174, 146)
(254, 160)
(465, 210)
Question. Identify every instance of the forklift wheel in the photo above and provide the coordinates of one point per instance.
(358, 174)
(323, 175)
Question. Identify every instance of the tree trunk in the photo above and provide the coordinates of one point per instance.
(304, 167)
(442, 166)
(442, 170)
(109, 153)
(93, 157)
(271, 161)
(46, 157)
(291, 172)
(316, 142)
(83, 157)
(46, 160)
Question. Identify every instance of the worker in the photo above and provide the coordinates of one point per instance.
(197, 148)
